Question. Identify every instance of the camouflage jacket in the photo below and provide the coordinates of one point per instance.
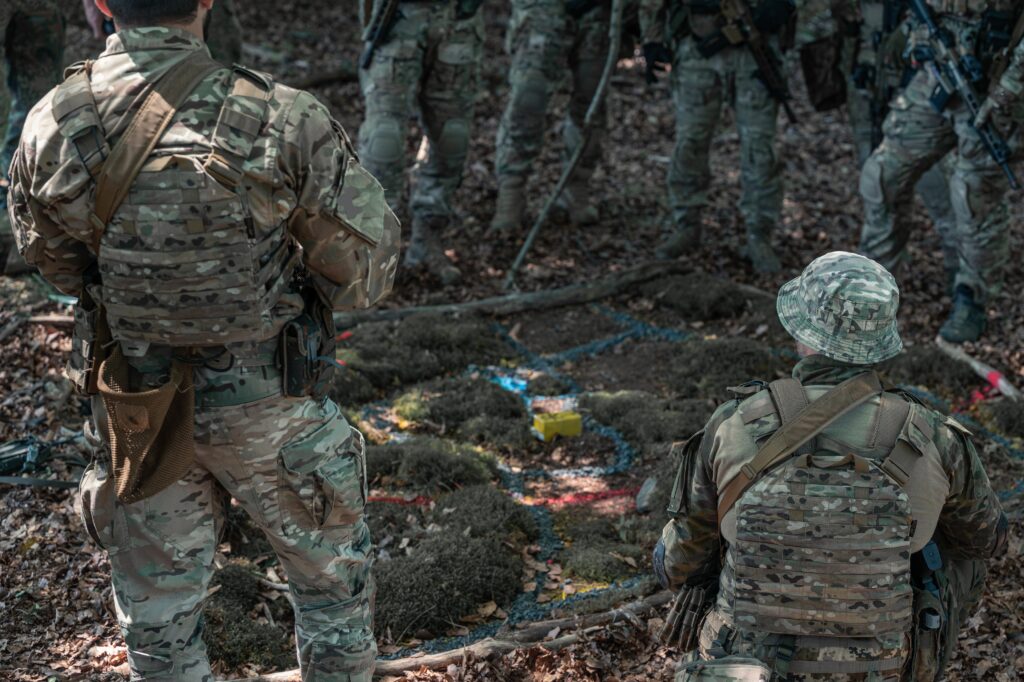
(949, 493)
(298, 175)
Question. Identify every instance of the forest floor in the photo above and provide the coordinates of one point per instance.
(457, 481)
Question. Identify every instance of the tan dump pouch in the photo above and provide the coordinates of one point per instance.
(728, 669)
(150, 432)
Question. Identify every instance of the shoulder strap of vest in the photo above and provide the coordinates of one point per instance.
(78, 119)
(809, 422)
(241, 119)
(142, 135)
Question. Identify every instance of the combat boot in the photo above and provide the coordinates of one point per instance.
(967, 320)
(575, 205)
(686, 237)
(759, 251)
(510, 207)
(425, 249)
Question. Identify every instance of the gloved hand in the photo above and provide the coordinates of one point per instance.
(999, 99)
(863, 76)
(657, 57)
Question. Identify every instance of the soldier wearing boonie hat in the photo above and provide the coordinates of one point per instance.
(814, 517)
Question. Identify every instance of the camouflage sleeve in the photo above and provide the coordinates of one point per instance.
(349, 235)
(972, 517)
(60, 258)
(691, 537)
(652, 20)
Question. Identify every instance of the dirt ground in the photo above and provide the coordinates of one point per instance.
(459, 485)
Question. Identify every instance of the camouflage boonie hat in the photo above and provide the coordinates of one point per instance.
(843, 306)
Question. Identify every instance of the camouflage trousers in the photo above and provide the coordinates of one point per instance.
(700, 87)
(932, 188)
(923, 653)
(224, 33)
(546, 45)
(298, 470)
(430, 66)
(32, 50)
(916, 138)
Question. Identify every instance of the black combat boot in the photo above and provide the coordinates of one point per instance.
(967, 320)
(510, 206)
(425, 249)
(575, 204)
(685, 237)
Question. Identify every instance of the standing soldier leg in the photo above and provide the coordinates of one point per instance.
(389, 87)
(760, 170)
(299, 470)
(587, 60)
(161, 560)
(537, 41)
(697, 89)
(224, 32)
(916, 137)
(933, 189)
(978, 192)
(34, 56)
(447, 103)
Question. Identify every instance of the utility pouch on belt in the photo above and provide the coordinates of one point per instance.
(90, 341)
(728, 669)
(821, 62)
(151, 431)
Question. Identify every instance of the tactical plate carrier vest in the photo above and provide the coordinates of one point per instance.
(182, 261)
(823, 533)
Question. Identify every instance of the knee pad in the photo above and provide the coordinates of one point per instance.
(381, 141)
(453, 143)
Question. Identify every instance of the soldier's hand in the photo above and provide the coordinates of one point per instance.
(998, 100)
(863, 76)
(657, 57)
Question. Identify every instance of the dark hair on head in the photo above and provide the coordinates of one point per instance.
(151, 12)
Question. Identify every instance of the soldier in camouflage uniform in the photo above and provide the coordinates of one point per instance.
(700, 87)
(917, 136)
(31, 57)
(251, 210)
(428, 64)
(546, 38)
(814, 578)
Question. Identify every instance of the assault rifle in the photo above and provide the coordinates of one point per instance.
(381, 22)
(741, 29)
(956, 75)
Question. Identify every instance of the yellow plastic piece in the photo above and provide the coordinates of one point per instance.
(565, 424)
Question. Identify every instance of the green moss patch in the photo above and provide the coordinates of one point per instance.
(473, 409)
(428, 465)
(232, 633)
(643, 418)
(1005, 416)
(929, 367)
(382, 356)
(482, 511)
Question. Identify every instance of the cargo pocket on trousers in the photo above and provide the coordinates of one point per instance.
(313, 470)
(102, 515)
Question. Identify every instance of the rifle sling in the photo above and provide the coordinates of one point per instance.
(809, 422)
(144, 131)
(1000, 65)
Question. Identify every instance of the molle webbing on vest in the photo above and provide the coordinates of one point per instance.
(803, 425)
(822, 543)
(241, 119)
(74, 110)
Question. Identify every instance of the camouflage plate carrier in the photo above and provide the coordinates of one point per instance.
(823, 530)
(220, 284)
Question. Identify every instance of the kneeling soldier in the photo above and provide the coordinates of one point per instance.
(843, 525)
(210, 221)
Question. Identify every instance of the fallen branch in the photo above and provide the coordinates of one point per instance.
(12, 326)
(987, 372)
(529, 634)
(53, 320)
(574, 294)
